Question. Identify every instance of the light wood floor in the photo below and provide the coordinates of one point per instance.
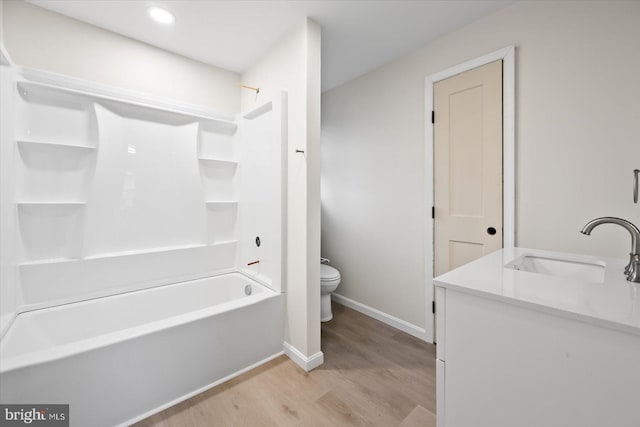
(372, 375)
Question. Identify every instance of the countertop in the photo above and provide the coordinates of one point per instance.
(613, 304)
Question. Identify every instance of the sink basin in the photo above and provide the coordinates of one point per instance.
(588, 271)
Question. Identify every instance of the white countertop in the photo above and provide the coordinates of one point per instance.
(614, 303)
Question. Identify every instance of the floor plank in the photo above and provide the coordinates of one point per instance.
(419, 417)
(373, 375)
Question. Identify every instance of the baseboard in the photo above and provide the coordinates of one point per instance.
(390, 320)
(198, 391)
(306, 363)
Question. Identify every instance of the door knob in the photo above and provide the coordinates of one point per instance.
(491, 231)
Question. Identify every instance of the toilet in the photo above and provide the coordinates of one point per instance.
(329, 281)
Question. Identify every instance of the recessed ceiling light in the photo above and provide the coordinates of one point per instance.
(161, 15)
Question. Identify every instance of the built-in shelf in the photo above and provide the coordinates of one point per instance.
(132, 104)
(258, 111)
(223, 242)
(125, 253)
(48, 261)
(23, 143)
(222, 127)
(221, 202)
(41, 93)
(43, 204)
(146, 251)
(218, 162)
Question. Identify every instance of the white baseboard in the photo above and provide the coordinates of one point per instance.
(390, 320)
(306, 363)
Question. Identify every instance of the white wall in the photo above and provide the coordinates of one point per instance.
(577, 142)
(38, 38)
(294, 65)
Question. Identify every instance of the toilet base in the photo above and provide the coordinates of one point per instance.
(325, 308)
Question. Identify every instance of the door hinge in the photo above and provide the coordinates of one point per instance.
(433, 212)
(433, 116)
(433, 307)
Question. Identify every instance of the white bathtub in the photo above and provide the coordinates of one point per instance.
(119, 359)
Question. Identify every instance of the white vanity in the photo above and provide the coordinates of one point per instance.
(532, 338)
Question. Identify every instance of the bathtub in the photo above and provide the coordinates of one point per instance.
(119, 359)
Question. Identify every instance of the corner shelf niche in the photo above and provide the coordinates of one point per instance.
(216, 142)
(56, 136)
(49, 230)
(53, 171)
(219, 178)
(54, 115)
(221, 220)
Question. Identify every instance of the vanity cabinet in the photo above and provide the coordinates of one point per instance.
(506, 357)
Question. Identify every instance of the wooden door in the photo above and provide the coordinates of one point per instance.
(467, 166)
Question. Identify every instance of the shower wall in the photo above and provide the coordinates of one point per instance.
(107, 192)
(8, 290)
(263, 204)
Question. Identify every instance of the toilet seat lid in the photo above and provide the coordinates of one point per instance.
(328, 273)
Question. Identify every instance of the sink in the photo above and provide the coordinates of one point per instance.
(588, 271)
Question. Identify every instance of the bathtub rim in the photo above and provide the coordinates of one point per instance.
(82, 346)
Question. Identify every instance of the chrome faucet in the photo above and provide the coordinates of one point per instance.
(632, 270)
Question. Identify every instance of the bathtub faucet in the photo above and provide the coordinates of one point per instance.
(632, 270)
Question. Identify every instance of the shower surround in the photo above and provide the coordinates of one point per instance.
(131, 229)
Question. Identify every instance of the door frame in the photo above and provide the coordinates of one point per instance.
(507, 55)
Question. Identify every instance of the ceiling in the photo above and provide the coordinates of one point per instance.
(358, 35)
